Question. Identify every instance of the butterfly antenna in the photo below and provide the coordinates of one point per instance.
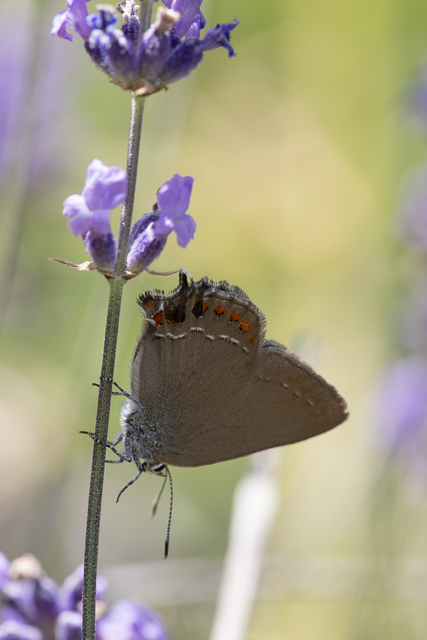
(168, 530)
(157, 500)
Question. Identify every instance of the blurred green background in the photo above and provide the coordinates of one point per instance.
(298, 146)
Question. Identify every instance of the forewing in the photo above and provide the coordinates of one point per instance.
(284, 401)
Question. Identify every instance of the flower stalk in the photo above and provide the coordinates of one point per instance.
(105, 387)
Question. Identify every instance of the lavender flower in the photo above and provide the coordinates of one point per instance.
(35, 608)
(89, 213)
(129, 621)
(144, 62)
(150, 233)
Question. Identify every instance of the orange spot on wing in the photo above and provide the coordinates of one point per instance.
(294, 378)
(159, 318)
(149, 303)
(234, 316)
(205, 306)
(253, 338)
(245, 325)
(306, 388)
(220, 310)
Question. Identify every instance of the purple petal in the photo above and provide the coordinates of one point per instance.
(185, 230)
(174, 199)
(174, 196)
(10, 613)
(72, 589)
(74, 205)
(75, 16)
(59, 25)
(191, 16)
(106, 187)
(12, 630)
(46, 601)
(69, 626)
(96, 221)
(220, 37)
(130, 621)
(18, 595)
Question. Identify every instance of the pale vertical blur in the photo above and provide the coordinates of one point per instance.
(297, 146)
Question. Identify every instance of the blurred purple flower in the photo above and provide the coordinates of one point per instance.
(89, 213)
(69, 626)
(34, 600)
(13, 72)
(4, 570)
(11, 630)
(402, 406)
(149, 235)
(35, 89)
(413, 209)
(34, 608)
(70, 595)
(130, 621)
(144, 62)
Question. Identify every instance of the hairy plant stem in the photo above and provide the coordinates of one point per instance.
(107, 372)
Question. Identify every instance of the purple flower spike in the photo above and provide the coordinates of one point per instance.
(75, 16)
(174, 199)
(144, 61)
(130, 621)
(89, 213)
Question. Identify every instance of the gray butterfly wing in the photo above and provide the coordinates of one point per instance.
(212, 388)
(284, 401)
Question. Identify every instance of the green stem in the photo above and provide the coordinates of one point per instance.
(145, 13)
(107, 372)
(132, 170)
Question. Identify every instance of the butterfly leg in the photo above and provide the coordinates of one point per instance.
(124, 457)
(121, 391)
